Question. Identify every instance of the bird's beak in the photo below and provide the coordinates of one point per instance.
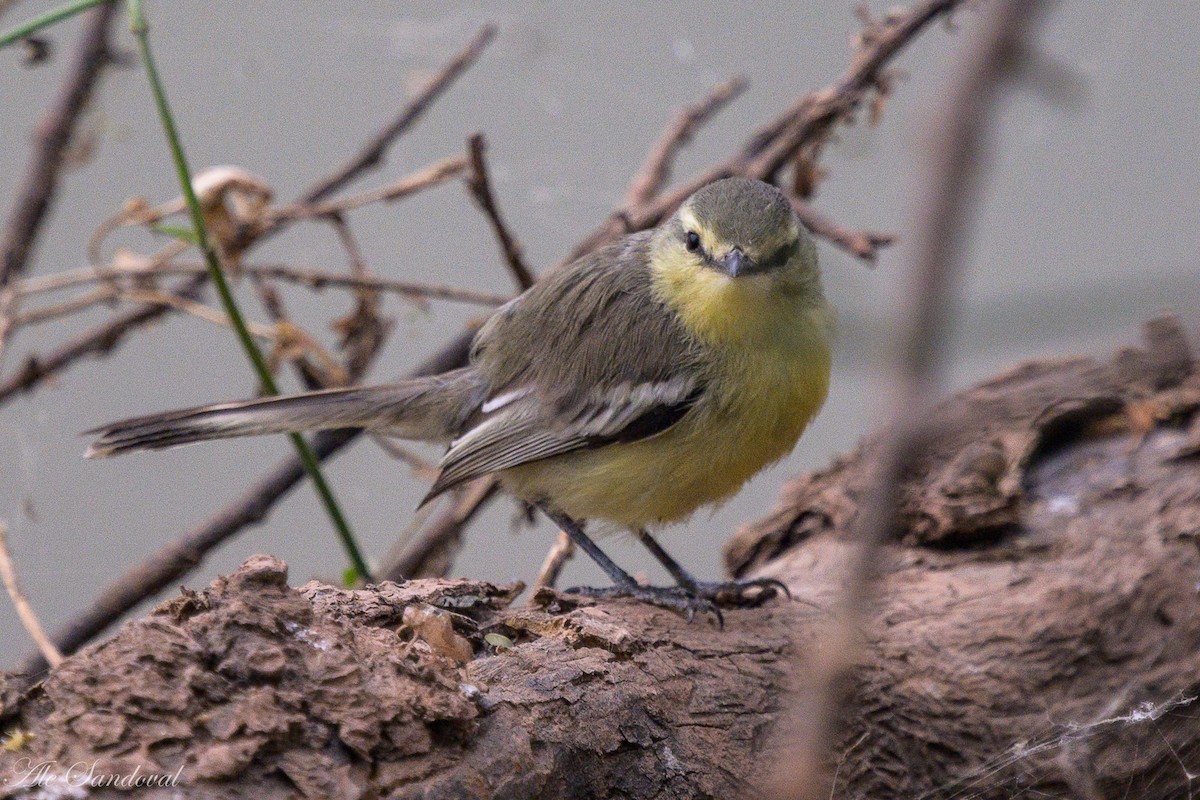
(737, 263)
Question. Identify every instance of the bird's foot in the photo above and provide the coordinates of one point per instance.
(750, 593)
(675, 598)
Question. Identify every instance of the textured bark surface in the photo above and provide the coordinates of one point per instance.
(1036, 634)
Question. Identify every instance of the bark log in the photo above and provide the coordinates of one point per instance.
(1036, 635)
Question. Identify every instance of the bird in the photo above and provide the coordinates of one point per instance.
(626, 389)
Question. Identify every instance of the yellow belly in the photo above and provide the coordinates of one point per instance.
(764, 398)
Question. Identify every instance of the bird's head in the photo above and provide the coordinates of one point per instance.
(742, 229)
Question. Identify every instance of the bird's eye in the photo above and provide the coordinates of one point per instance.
(693, 241)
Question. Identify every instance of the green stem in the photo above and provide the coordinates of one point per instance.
(137, 24)
(45, 20)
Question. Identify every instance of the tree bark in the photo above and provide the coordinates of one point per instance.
(1036, 634)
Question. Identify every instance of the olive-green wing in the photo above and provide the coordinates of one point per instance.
(586, 358)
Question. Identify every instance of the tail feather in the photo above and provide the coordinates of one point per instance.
(429, 409)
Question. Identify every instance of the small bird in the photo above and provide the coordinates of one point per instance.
(630, 387)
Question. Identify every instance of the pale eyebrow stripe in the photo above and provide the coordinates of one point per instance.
(688, 218)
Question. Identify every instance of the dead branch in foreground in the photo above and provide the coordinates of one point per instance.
(949, 181)
(1035, 635)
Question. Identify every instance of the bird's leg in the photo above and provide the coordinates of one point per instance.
(676, 598)
(747, 593)
(573, 529)
(681, 575)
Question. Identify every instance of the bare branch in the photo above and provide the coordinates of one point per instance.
(811, 119)
(419, 463)
(24, 611)
(432, 175)
(310, 277)
(286, 335)
(373, 152)
(135, 295)
(562, 551)
(53, 311)
(656, 170)
(429, 552)
(807, 123)
(481, 189)
(293, 344)
(364, 330)
(54, 132)
(96, 340)
(317, 279)
(861, 244)
(100, 339)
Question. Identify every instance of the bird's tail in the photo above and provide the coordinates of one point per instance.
(429, 409)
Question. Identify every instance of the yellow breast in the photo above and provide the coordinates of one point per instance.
(768, 361)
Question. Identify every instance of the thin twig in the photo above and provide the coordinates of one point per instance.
(283, 334)
(862, 244)
(358, 262)
(293, 344)
(372, 154)
(364, 330)
(956, 147)
(428, 552)
(656, 170)
(481, 189)
(420, 464)
(144, 296)
(29, 619)
(557, 557)
(102, 338)
(54, 133)
(806, 123)
(432, 175)
(812, 119)
(198, 310)
(53, 311)
(311, 377)
(310, 277)
(94, 341)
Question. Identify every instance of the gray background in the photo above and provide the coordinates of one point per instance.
(1088, 226)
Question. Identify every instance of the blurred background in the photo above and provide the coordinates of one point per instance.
(1087, 226)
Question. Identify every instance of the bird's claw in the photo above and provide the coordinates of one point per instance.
(750, 593)
(675, 598)
(703, 597)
